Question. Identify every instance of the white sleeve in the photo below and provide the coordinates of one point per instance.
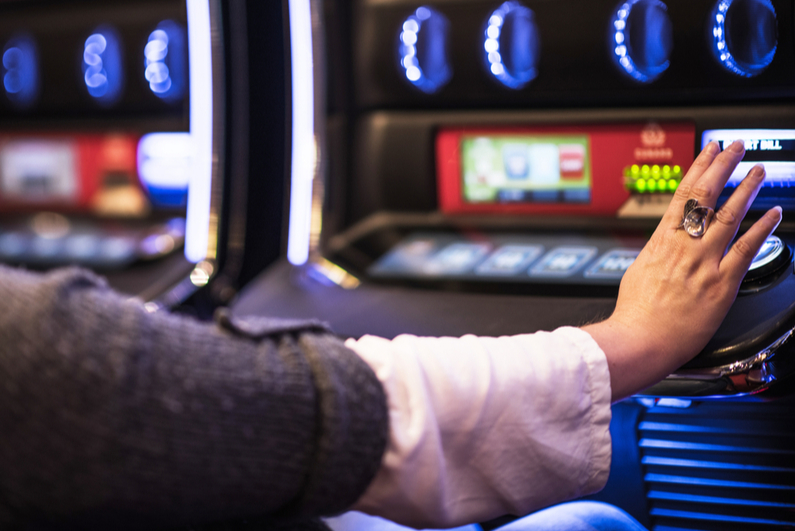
(482, 427)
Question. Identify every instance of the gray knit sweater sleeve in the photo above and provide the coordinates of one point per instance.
(112, 416)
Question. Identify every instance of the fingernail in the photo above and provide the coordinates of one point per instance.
(738, 146)
(775, 215)
(712, 148)
(757, 172)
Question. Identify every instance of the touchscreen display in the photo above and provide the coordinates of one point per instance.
(775, 148)
(526, 169)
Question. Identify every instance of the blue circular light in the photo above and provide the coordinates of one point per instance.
(103, 72)
(512, 45)
(641, 38)
(20, 71)
(164, 61)
(422, 49)
(743, 35)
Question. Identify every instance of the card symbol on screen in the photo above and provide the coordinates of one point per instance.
(514, 158)
(457, 258)
(563, 261)
(613, 264)
(510, 259)
(572, 161)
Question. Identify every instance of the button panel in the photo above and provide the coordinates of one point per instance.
(509, 258)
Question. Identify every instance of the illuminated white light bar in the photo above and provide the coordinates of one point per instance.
(774, 144)
(304, 151)
(201, 123)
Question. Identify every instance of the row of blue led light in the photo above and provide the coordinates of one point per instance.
(515, 63)
(102, 65)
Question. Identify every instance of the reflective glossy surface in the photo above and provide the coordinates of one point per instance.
(771, 249)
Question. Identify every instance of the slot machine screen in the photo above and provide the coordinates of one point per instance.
(775, 148)
(526, 169)
(102, 130)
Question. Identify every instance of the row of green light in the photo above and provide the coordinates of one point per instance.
(653, 178)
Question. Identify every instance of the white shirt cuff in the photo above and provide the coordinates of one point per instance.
(482, 427)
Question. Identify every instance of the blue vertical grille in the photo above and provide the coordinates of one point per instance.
(719, 466)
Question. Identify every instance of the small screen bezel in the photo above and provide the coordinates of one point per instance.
(768, 196)
(611, 146)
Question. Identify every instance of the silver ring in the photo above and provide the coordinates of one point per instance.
(696, 218)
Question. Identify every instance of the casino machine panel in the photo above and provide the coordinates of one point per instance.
(106, 140)
(471, 166)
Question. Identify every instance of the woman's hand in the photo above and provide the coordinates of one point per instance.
(675, 295)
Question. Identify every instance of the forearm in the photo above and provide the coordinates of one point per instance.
(481, 427)
(111, 415)
(634, 362)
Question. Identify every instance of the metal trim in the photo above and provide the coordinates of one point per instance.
(747, 376)
(737, 367)
(188, 285)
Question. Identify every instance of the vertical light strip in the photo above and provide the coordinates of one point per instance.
(304, 149)
(201, 129)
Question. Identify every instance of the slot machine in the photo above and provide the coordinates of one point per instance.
(111, 141)
(472, 166)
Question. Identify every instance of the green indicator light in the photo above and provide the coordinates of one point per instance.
(645, 169)
(640, 184)
(672, 184)
(655, 169)
(652, 185)
(677, 170)
(661, 185)
(666, 169)
(635, 169)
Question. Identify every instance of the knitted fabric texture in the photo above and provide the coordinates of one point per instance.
(113, 416)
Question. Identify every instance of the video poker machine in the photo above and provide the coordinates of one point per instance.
(110, 141)
(484, 167)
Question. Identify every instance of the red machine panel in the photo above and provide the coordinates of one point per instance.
(573, 169)
(71, 173)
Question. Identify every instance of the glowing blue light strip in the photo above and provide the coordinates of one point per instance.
(621, 51)
(201, 129)
(21, 70)
(164, 61)
(155, 53)
(721, 49)
(408, 52)
(686, 480)
(713, 517)
(304, 149)
(716, 500)
(103, 72)
(711, 465)
(492, 48)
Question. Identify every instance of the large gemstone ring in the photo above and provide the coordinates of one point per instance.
(696, 218)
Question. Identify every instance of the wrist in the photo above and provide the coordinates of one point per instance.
(634, 357)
